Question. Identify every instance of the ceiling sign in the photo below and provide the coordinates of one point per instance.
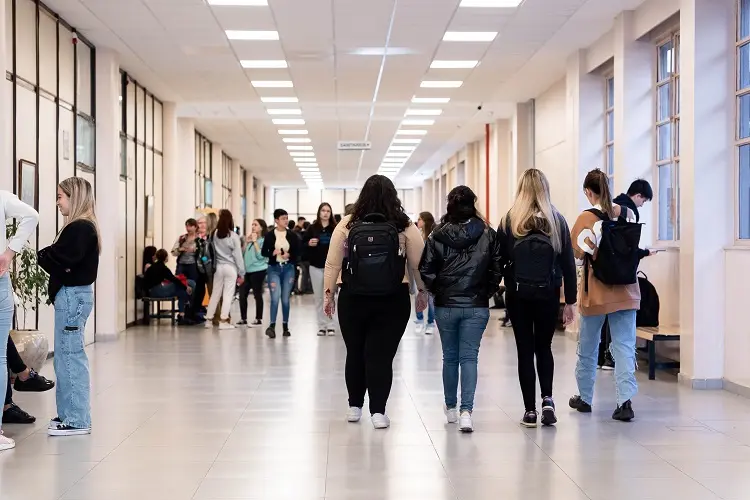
(354, 145)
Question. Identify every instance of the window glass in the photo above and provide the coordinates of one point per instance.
(743, 116)
(149, 120)
(85, 141)
(664, 102)
(610, 160)
(83, 63)
(208, 192)
(744, 28)
(664, 141)
(610, 127)
(123, 157)
(666, 203)
(130, 106)
(743, 66)
(47, 52)
(26, 40)
(610, 92)
(67, 65)
(665, 61)
(158, 120)
(744, 194)
(140, 113)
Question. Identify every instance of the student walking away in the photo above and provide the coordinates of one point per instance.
(606, 242)
(186, 250)
(316, 242)
(229, 269)
(160, 283)
(461, 267)
(369, 253)
(426, 224)
(535, 242)
(72, 262)
(27, 218)
(27, 380)
(282, 249)
(255, 272)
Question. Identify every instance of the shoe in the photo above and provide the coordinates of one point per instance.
(66, 430)
(419, 328)
(15, 415)
(380, 421)
(6, 443)
(331, 333)
(548, 411)
(624, 413)
(35, 383)
(451, 414)
(287, 333)
(271, 331)
(529, 419)
(321, 333)
(430, 329)
(579, 404)
(54, 422)
(354, 414)
(255, 323)
(226, 326)
(464, 422)
(242, 322)
(609, 362)
(208, 325)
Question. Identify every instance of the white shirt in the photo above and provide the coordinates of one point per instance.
(28, 218)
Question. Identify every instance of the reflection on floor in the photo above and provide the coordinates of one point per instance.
(188, 413)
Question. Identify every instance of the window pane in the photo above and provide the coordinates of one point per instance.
(744, 30)
(123, 158)
(744, 186)
(664, 102)
(83, 61)
(85, 141)
(610, 160)
(743, 66)
(665, 61)
(677, 138)
(666, 203)
(677, 95)
(743, 115)
(610, 92)
(610, 127)
(208, 192)
(664, 142)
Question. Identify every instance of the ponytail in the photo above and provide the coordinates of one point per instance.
(597, 182)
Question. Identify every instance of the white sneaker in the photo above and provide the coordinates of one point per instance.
(226, 326)
(54, 422)
(430, 329)
(208, 324)
(465, 424)
(354, 414)
(331, 333)
(380, 421)
(6, 443)
(321, 333)
(451, 414)
(66, 430)
(419, 328)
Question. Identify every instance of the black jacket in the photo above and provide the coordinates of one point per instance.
(269, 245)
(316, 255)
(565, 264)
(461, 265)
(624, 201)
(157, 273)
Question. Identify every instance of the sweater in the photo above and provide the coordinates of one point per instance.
(157, 273)
(316, 255)
(28, 218)
(254, 260)
(601, 298)
(229, 252)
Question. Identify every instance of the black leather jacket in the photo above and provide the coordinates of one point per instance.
(461, 264)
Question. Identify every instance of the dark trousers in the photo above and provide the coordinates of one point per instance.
(199, 293)
(253, 282)
(534, 323)
(606, 339)
(372, 328)
(15, 365)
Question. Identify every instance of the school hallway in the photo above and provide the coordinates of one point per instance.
(188, 413)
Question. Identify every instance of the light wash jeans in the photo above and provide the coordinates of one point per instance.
(430, 311)
(316, 276)
(280, 283)
(73, 306)
(622, 329)
(6, 321)
(461, 331)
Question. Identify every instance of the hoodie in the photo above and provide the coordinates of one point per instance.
(625, 201)
(461, 265)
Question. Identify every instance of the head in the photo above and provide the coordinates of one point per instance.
(191, 226)
(281, 218)
(225, 224)
(211, 222)
(379, 196)
(75, 199)
(324, 216)
(162, 256)
(301, 221)
(202, 225)
(461, 206)
(596, 189)
(426, 223)
(337, 218)
(259, 227)
(349, 209)
(640, 192)
(532, 209)
(149, 255)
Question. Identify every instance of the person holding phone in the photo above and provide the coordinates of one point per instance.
(316, 241)
(255, 272)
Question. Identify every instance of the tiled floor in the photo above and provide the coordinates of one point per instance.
(188, 413)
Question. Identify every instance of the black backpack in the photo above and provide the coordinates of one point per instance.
(374, 265)
(205, 256)
(617, 256)
(648, 314)
(533, 262)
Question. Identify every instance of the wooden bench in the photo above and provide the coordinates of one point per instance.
(652, 335)
(149, 313)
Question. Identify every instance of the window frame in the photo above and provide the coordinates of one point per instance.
(739, 142)
(226, 180)
(203, 171)
(609, 110)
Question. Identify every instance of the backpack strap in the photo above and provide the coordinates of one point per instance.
(598, 213)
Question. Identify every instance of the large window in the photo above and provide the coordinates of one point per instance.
(668, 137)
(743, 119)
(226, 181)
(609, 135)
(203, 172)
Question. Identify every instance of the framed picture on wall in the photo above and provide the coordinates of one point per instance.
(28, 182)
(149, 216)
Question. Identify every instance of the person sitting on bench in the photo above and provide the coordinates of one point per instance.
(161, 283)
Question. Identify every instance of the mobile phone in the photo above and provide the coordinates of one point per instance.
(655, 250)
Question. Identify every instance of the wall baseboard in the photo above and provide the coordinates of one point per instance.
(735, 388)
(701, 384)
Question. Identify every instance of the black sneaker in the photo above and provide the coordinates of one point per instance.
(256, 323)
(287, 333)
(15, 415)
(242, 322)
(271, 331)
(35, 383)
(529, 419)
(624, 413)
(609, 362)
(548, 411)
(67, 430)
(579, 404)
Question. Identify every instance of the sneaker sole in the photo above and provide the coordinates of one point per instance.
(4, 447)
(466, 429)
(77, 432)
(548, 416)
(353, 420)
(529, 426)
(381, 426)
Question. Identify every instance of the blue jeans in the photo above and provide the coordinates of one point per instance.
(73, 306)
(6, 321)
(166, 290)
(280, 283)
(430, 311)
(622, 329)
(461, 332)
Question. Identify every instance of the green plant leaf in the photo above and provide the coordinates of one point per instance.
(28, 279)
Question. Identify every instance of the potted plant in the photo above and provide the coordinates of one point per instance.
(29, 283)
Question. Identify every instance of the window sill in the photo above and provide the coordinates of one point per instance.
(737, 248)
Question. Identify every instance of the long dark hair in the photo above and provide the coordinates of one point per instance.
(331, 220)
(429, 224)
(148, 255)
(597, 182)
(263, 227)
(225, 225)
(379, 196)
(461, 206)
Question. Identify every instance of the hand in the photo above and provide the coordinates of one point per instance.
(276, 252)
(329, 306)
(189, 291)
(420, 303)
(253, 237)
(240, 280)
(6, 258)
(569, 314)
(313, 242)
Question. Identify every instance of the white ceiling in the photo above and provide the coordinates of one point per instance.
(179, 50)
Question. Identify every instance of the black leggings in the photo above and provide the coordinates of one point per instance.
(534, 323)
(372, 328)
(254, 282)
(15, 365)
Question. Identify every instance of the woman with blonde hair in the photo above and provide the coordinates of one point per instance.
(72, 262)
(535, 242)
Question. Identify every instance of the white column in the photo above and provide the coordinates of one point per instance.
(216, 176)
(260, 210)
(522, 127)
(500, 170)
(107, 190)
(706, 181)
(236, 202)
(6, 159)
(185, 201)
(171, 176)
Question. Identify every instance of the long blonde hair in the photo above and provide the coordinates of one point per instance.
(533, 210)
(82, 203)
(212, 220)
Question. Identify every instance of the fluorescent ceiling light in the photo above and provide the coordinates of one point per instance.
(305, 159)
(382, 51)
(392, 165)
(310, 175)
(293, 132)
(301, 153)
(402, 148)
(453, 64)
(285, 111)
(279, 99)
(417, 122)
(430, 100)
(423, 112)
(238, 3)
(411, 132)
(299, 148)
(441, 84)
(307, 168)
(296, 140)
(272, 84)
(469, 36)
(406, 141)
(389, 170)
(263, 64)
(288, 121)
(396, 156)
(252, 35)
(508, 4)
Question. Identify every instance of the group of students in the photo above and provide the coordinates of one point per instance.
(72, 262)
(376, 251)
